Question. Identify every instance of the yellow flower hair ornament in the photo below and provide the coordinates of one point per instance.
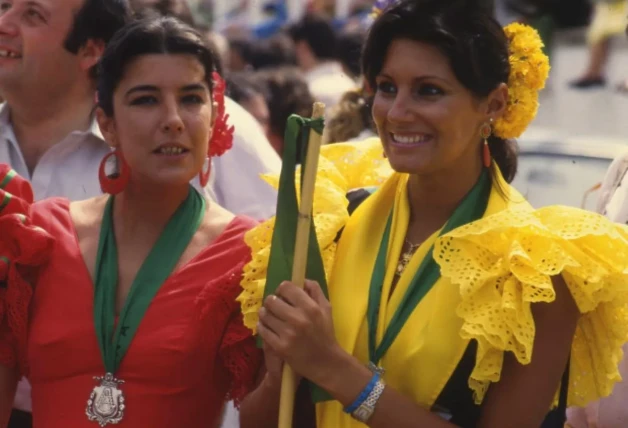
(529, 69)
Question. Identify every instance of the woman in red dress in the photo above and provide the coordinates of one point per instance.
(121, 309)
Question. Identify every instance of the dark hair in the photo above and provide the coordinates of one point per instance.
(97, 20)
(244, 47)
(317, 31)
(164, 35)
(288, 93)
(464, 32)
(276, 51)
(349, 50)
(350, 117)
(244, 85)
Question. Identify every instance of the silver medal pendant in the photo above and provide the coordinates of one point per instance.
(106, 402)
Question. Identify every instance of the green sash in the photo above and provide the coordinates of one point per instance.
(159, 264)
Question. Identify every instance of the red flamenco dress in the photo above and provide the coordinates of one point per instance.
(189, 356)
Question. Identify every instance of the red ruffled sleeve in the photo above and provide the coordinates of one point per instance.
(237, 352)
(23, 247)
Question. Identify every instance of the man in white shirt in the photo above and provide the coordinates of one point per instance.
(315, 48)
(48, 53)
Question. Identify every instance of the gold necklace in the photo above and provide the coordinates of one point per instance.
(406, 256)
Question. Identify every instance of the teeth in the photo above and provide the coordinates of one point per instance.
(8, 54)
(406, 139)
(171, 150)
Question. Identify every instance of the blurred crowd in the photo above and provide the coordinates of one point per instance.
(281, 65)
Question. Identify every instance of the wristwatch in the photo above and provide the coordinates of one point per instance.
(364, 412)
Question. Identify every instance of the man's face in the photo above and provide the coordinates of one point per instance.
(32, 34)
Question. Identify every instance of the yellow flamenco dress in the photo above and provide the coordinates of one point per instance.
(491, 271)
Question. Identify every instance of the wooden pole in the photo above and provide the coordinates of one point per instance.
(288, 381)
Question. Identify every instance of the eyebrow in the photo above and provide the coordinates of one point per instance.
(38, 4)
(419, 78)
(151, 88)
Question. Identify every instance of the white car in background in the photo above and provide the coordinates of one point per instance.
(564, 172)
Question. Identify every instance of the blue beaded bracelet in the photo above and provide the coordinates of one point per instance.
(363, 395)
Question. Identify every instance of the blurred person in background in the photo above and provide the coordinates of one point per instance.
(288, 94)
(250, 54)
(177, 8)
(315, 44)
(245, 89)
(240, 53)
(349, 50)
(220, 46)
(609, 19)
(350, 120)
(276, 51)
(48, 133)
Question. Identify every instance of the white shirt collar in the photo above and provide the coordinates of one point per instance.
(6, 127)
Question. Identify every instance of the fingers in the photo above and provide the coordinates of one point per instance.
(280, 307)
(268, 336)
(311, 307)
(309, 299)
(313, 289)
(292, 294)
(271, 322)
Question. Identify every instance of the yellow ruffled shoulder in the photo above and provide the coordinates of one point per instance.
(342, 167)
(503, 263)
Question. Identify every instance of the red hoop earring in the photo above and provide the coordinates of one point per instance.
(203, 176)
(116, 182)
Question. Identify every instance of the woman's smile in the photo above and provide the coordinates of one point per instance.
(408, 140)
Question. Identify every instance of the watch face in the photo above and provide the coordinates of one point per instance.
(363, 413)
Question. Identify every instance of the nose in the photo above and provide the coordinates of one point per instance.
(172, 121)
(401, 109)
(8, 26)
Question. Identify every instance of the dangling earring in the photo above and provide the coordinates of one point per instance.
(204, 174)
(116, 181)
(485, 132)
(222, 135)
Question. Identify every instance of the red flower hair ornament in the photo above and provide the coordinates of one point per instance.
(222, 135)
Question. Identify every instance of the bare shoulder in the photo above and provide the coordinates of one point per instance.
(87, 216)
(216, 220)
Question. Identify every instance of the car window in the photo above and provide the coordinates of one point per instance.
(551, 179)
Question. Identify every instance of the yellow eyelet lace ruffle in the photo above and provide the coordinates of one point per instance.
(505, 262)
(342, 167)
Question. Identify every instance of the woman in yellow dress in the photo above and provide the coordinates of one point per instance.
(452, 302)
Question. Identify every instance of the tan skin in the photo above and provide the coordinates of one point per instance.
(176, 108)
(418, 95)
